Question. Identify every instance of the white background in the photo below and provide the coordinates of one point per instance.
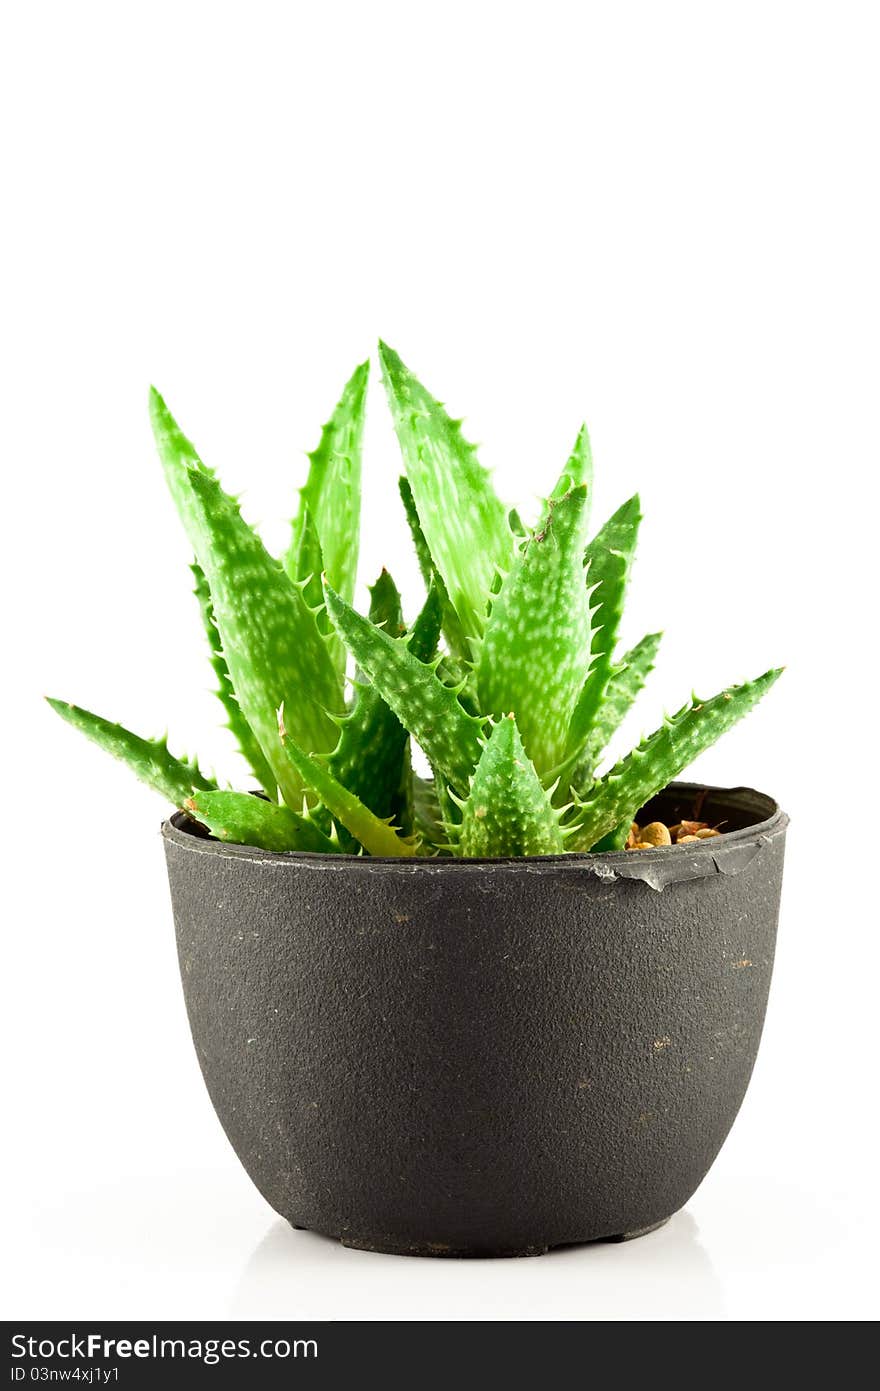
(661, 217)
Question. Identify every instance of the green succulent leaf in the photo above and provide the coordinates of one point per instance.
(173, 778)
(428, 570)
(332, 493)
(507, 812)
(427, 817)
(535, 646)
(431, 712)
(578, 471)
(386, 609)
(422, 638)
(626, 681)
(452, 627)
(236, 722)
(403, 809)
(179, 457)
(380, 730)
(309, 560)
(464, 523)
(632, 782)
(375, 835)
(609, 559)
(614, 840)
(371, 756)
(242, 819)
(273, 646)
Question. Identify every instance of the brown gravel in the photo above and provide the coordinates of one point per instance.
(656, 834)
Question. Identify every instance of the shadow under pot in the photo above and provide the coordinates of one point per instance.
(481, 1058)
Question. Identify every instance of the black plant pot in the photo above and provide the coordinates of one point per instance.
(468, 1058)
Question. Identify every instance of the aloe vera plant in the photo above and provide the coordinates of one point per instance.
(509, 679)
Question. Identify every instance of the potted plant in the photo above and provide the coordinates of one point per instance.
(512, 1005)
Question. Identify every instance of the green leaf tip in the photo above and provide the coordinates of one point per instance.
(375, 835)
(657, 760)
(176, 451)
(432, 712)
(464, 523)
(507, 811)
(385, 605)
(537, 640)
(332, 491)
(149, 759)
(578, 470)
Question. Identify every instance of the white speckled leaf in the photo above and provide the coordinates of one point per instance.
(507, 812)
(173, 778)
(465, 524)
(271, 642)
(537, 642)
(430, 711)
(330, 503)
(178, 456)
(657, 760)
(241, 819)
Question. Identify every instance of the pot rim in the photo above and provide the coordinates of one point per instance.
(725, 854)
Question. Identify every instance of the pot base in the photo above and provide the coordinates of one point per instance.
(639, 1231)
(438, 1249)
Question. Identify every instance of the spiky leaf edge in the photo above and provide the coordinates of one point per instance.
(654, 763)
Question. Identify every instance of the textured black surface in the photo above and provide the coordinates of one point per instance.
(472, 1058)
